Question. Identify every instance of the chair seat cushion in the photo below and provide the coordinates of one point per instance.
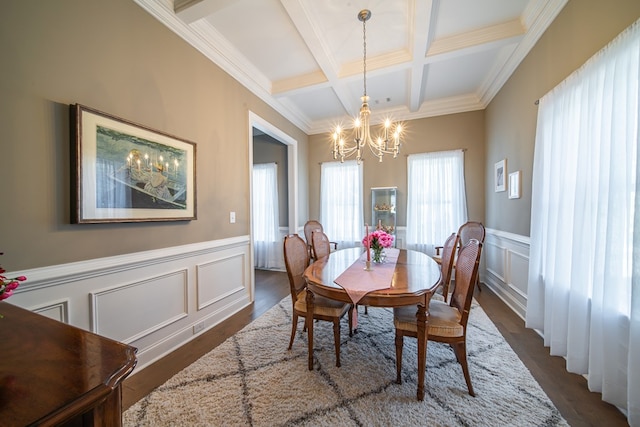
(444, 320)
(323, 306)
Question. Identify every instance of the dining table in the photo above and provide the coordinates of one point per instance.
(405, 278)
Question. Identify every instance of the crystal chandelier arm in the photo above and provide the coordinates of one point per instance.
(339, 150)
(385, 145)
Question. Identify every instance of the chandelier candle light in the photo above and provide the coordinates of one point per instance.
(387, 143)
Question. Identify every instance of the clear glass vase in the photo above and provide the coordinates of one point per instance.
(378, 255)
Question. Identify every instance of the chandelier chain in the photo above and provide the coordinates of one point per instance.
(364, 53)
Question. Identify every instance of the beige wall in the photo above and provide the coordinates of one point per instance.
(455, 131)
(581, 29)
(114, 57)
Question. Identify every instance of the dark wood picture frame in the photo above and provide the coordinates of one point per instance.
(126, 172)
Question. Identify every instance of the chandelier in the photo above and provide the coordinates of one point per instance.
(389, 140)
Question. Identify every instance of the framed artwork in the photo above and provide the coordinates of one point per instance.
(514, 185)
(500, 171)
(125, 172)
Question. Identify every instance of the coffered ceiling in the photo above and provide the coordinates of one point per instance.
(305, 57)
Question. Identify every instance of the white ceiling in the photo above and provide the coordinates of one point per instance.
(304, 57)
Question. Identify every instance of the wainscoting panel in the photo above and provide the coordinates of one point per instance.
(218, 279)
(129, 312)
(56, 310)
(155, 301)
(494, 257)
(519, 267)
(506, 268)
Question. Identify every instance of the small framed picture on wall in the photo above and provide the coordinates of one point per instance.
(514, 184)
(500, 175)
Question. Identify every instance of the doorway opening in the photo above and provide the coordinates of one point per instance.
(268, 143)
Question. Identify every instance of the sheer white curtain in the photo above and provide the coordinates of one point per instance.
(341, 201)
(582, 294)
(267, 247)
(436, 198)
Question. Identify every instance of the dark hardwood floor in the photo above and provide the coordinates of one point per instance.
(569, 392)
(271, 287)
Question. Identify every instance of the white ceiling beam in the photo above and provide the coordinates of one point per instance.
(193, 10)
(300, 83)
(311, 35)
(400, 58)
(479, 37)
(421, 32)
(471, 49)
(383, 64)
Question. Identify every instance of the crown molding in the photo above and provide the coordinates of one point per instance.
(537, 19)
(224, 56)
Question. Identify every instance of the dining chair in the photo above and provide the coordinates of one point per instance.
(446, 266)
(467, 231)
(472, 230)
(447, 323)
(320, 244)
(296, 260)
(309, 227)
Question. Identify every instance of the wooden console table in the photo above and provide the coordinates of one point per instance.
(52, 373)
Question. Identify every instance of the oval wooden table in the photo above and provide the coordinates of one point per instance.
(415, 279)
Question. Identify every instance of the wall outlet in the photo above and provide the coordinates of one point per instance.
(232, 217)
(198, 327)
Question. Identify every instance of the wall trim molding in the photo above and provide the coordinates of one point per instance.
(80, 270)
(511, 236)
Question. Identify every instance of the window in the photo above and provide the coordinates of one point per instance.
(267, 247)
(583, 294)
(436, 198)
(341, 202)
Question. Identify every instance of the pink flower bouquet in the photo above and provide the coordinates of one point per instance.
(7, 285)
(378, 240)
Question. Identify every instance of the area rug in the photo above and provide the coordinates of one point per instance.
(253, 380)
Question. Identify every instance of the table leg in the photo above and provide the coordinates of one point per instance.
(309, 321)
(421, 318)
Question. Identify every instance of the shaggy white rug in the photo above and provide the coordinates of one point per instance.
(252, 380)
